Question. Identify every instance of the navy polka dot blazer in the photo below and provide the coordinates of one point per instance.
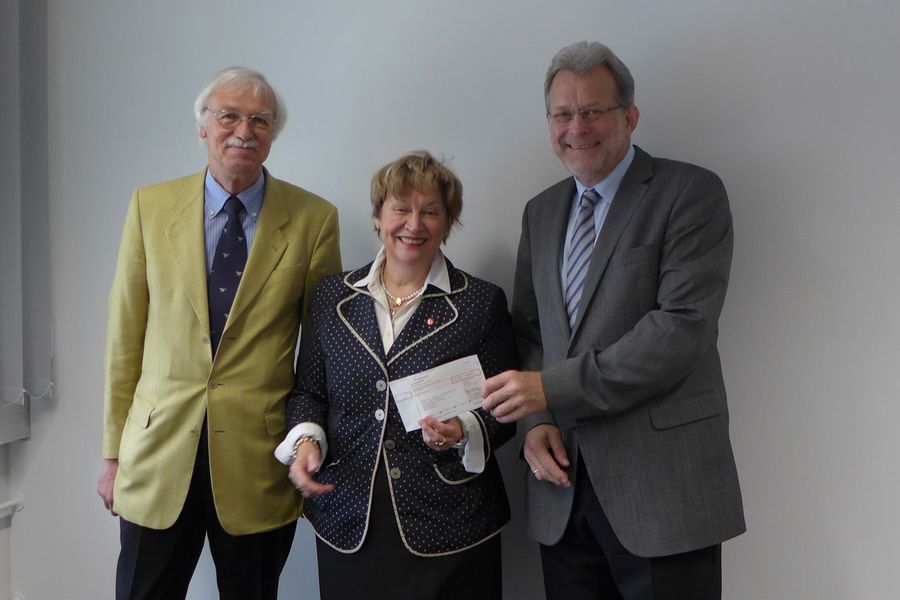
(342, 385)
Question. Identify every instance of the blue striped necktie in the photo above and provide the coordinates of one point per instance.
(580, 249)
(228, 266)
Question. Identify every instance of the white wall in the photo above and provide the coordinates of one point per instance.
(793, 103)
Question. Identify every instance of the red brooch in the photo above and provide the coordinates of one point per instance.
(430, 321)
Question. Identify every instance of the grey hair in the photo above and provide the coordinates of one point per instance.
(582, 57)
(241, 76)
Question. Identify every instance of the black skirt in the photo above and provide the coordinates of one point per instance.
(383, 568)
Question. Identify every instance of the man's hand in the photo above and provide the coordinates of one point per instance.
(546, 454)
(512, 395)
(304, 468)
(106, 482)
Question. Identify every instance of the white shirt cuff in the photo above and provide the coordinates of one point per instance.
(473, 452)
(286, 448)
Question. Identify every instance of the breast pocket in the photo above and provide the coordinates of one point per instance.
(291, 274)
(286, 284)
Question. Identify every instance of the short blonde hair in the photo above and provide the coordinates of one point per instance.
(418, 171)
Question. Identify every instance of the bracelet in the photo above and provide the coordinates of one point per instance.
(461, 442)
(300, 441)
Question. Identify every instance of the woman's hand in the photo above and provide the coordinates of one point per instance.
(304, 469)
(441, 435)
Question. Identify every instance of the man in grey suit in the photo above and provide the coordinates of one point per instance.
(620, 280)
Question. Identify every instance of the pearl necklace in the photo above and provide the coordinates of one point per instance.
(394, 301)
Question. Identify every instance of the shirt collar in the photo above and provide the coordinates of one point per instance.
(610, 184)
(438, 275)
(216, 196)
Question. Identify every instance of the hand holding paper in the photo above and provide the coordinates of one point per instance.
(442, 392)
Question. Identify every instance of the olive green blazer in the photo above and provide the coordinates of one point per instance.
(161, 378)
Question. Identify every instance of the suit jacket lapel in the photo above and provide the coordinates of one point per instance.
(185, 235)
(268, 247)
(628, 196)
(557, 221)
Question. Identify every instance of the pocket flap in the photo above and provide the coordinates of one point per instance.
(275, 422)
(140, 412)
(687, 410)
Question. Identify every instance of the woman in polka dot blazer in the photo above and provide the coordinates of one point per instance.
(397, 514)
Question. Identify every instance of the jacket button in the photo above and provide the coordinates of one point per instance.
(380, 385)
(213, 385)
(379, 415)
(389, 444)
(204, 339)
(395, 473)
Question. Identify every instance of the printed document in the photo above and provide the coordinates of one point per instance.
(442, 392)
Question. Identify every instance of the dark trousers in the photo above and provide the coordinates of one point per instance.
(589, 562)
(158, 564)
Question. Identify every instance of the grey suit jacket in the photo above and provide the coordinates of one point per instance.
(636, 387)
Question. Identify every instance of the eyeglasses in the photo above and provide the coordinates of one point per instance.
(231, 119)
(588, 114)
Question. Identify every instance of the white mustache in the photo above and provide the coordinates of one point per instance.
(239, 143)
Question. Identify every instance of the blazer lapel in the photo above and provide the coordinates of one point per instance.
(627, 199)
(268, 247)
(185, 235)
(556, 221)
(357, 312)
(434, 313)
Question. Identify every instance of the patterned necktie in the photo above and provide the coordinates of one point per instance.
(580, 249)
(227, 268)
